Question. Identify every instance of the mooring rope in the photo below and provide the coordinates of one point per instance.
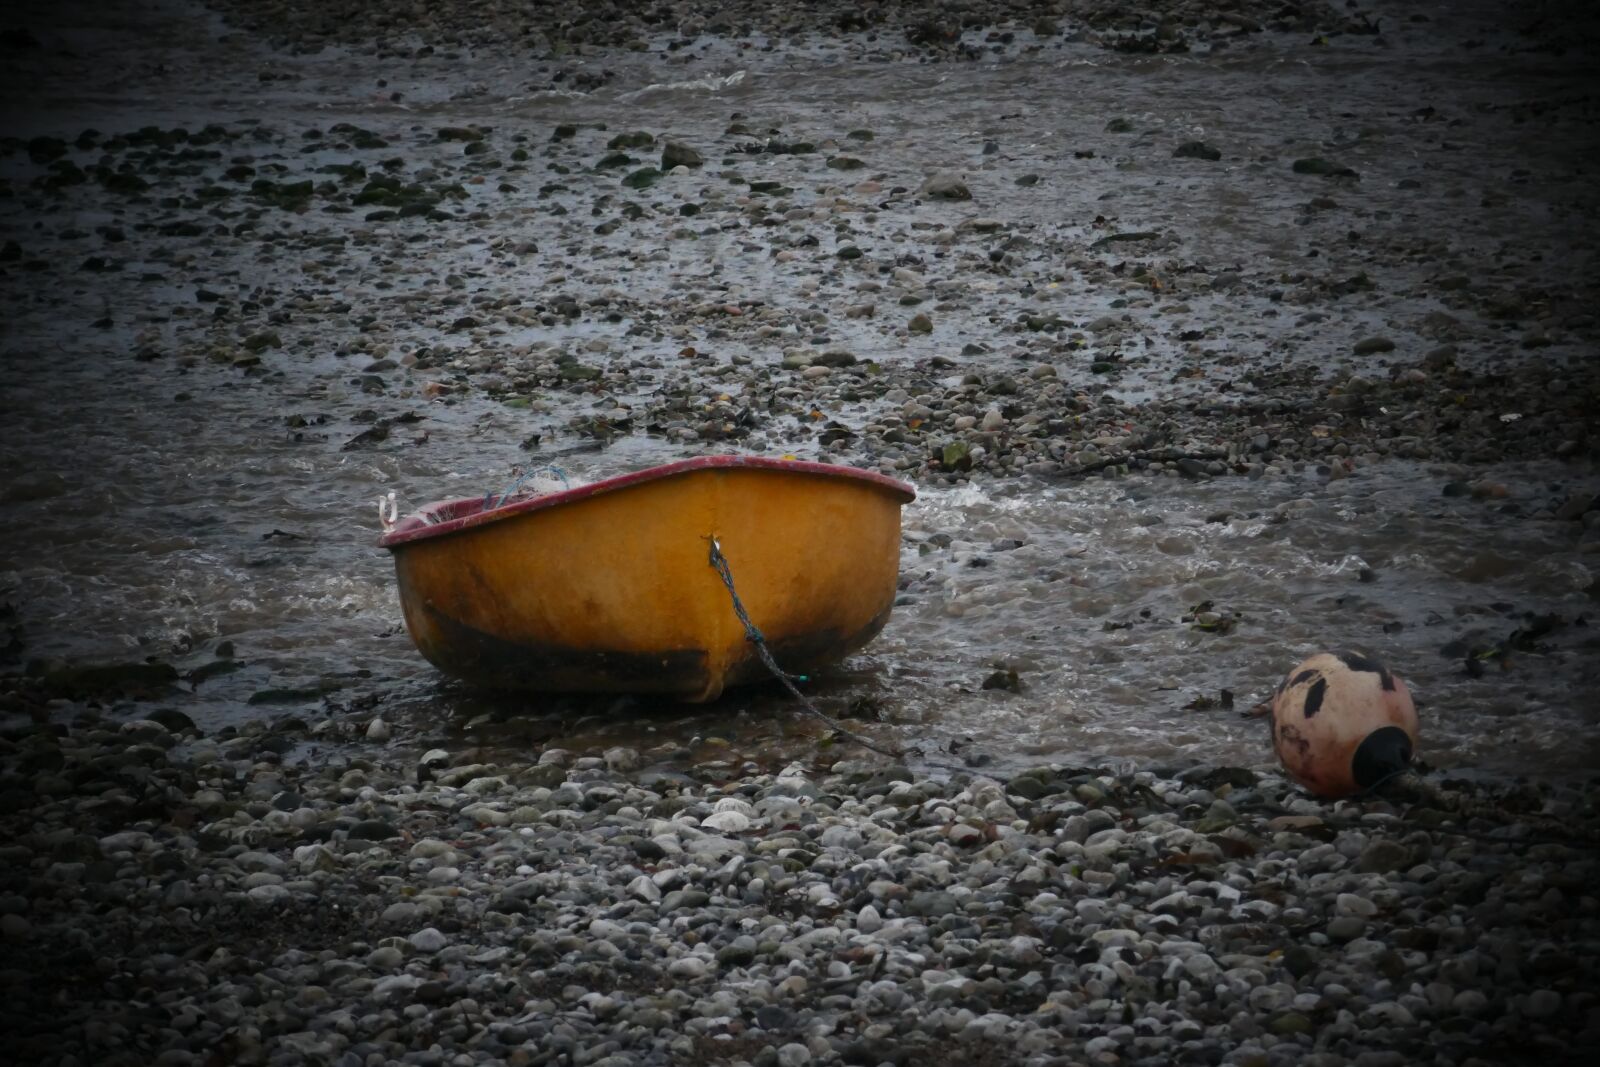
(753, 634)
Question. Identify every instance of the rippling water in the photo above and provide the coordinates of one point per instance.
(155, 509)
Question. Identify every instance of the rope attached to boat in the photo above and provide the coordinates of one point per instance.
(493, 500)
(753, 634)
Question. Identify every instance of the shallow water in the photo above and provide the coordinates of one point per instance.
(160, 508)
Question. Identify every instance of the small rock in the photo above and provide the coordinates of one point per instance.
(1327, 169)
(1353, 904)
(946, 186)
(1346, 928)
(728, 822)
(690, 967)
(1541, 1004)
(674, 154)
(268, 894)
(1197, 150)
(385, 958)
(1382, 856)
(428, 940)
(372, 830)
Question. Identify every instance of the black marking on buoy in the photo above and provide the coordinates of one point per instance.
(1314, 696)
(1358, 662)
(1292, 736)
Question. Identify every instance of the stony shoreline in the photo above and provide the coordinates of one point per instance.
(171, 898)
(929, 29)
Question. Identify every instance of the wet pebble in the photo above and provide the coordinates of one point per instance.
(904, 907)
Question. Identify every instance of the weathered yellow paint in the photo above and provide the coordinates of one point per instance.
(613, 591)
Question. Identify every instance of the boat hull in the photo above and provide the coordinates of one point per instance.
(609, 588)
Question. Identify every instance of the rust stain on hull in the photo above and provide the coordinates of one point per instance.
(495, 663)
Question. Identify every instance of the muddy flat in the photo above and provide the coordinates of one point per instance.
(1209, 339)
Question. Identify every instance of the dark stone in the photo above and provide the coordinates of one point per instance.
(1383, 856)
(679, 155)
(932, 903)
(774, 1017)
(1318, 165)
(1197, 150)
(1006, 680)
(174, 720)
(637, 139)
(127, 678)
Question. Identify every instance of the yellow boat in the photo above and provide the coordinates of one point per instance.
(612, 587)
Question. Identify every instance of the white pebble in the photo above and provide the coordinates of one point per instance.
(728, 822)
(1351, 904)
(688, 967)
(427, 940)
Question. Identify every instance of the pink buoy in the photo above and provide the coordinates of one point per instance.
(1342, 723)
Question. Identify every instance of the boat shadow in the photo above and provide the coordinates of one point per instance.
(760, 723)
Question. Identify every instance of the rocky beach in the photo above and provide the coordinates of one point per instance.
(1209, 333)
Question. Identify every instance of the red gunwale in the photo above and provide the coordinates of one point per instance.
(415, 527)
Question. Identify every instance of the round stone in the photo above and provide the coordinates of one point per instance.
(428, 940)
(794, 1055)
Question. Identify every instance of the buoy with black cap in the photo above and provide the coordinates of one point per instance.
(1343, 723)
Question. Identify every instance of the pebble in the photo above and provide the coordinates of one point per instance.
(1542, 1004)
(1383, 856)
(910, 916)
(428, 940)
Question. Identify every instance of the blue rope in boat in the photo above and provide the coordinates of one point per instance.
(490, 503)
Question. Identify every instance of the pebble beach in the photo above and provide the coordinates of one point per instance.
(190, 900)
